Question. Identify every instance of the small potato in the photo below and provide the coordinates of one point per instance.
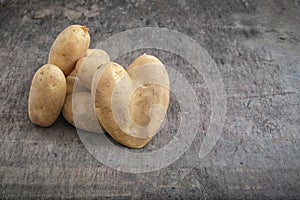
(47, 95)
(78, 111)
(95, 59)
(69, 46)
(74, 72)
(77, 66)
(97, 52)
(74, 85)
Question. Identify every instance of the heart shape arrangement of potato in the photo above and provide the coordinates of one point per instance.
(93, 93)
(131, 105)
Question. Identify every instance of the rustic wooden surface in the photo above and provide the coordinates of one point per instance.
(256, 47)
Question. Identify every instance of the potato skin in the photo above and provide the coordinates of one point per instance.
(69, 46)
(47, 95)
(87, 66)
(97, 52)
(77, 66)
(74, 85)
(78, 111)
(104, 83)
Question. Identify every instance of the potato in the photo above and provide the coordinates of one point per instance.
(88, 65)
(77, 66)
(97, 52)
(74, 72)
(131, 105)
(46, 96)
(74, 85)
(69, 46)
(78, 110)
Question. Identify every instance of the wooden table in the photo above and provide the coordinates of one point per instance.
(255, 45)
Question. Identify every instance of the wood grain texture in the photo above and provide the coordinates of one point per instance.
(255, 45)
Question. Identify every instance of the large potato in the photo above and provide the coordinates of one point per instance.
(78, 110)
(46, 96)
(88, 65)
(131, 105)
(69, 46)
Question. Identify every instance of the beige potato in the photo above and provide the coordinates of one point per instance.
(77, 66)
(69, 46)
(74, 72)
(131, 105)
(74, 85)
(95, 52)
(98, 52)
(78, 110)
(46, 96)
(88, 65)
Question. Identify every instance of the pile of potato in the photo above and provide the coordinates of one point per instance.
(94, 93)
